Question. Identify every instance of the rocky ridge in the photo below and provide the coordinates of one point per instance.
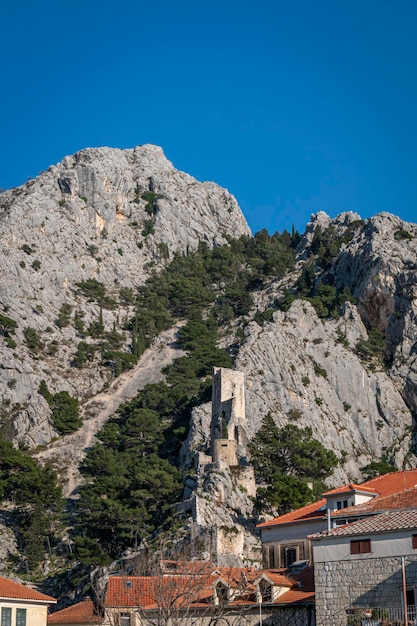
(105, 214)
(116, 216)
(306, 369)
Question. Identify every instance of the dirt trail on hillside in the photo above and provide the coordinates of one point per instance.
(66, 453)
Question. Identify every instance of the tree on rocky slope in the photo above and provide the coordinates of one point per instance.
(285, 460)
(35, 497)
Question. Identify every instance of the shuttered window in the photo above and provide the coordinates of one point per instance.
(414, 541)
(360, 546)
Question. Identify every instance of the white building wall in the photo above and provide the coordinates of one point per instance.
(382, 545)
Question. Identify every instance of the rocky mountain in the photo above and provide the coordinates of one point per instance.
(108, 215)
(329, 343)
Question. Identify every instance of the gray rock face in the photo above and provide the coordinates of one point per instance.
(297, 368)
(108, 214)
(305, 370)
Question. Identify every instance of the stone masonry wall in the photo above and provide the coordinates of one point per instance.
(359, 583)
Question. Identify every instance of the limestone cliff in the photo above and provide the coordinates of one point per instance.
(105, 214)
(306, 370)
(117, 215)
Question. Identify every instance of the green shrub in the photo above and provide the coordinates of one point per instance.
(95, 292)
(36, 265)
(32, 339)
(92, 249)
(7, 326)
(85, 354)
(319, 371)
(400, 235)
(263, 316)
(163, 250)
(52, 347)
(373, 347)
(64, 315)
(151, 202)
(148, 228)
(65, 413)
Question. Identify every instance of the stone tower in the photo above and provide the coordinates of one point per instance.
(228, 415)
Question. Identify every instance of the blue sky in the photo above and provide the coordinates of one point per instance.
(294, 106)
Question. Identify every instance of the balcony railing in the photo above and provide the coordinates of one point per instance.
(390, 616)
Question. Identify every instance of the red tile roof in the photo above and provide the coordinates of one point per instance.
(394, 482)
(16, 591)
(385, 485)
(383, 522)
(81, 613)
(277, 578)
(295, 596)
(396, 501)
(349, 488)
(196, 591)
(303, 590)
(310, 511)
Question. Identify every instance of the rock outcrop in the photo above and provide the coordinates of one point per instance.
(306, 370)
(105, 214)
(115, 216)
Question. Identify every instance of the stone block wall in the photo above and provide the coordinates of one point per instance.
(228, 404)
(359, 583)
(224, 450)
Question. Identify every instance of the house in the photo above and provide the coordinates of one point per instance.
(367, 570)
(285, 539)
(21, 605)
(84, 613)
(199, 593)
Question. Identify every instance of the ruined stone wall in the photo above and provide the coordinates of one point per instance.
(228, 404)
(225, 450)
(245, 476)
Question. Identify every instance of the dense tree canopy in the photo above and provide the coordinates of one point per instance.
(36, 497)
(285, 460)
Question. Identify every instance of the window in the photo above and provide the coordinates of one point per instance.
(222, 593)
(6, 617)
(414, 541)
(124, 619)
(265, 590)
(271, 557)
(360, 546)
(341, 504)
(411, 601)
(290, 556)
(20, 617)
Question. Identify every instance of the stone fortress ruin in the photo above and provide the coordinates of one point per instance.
(224, 474)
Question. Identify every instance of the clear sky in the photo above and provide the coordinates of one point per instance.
(295, 106)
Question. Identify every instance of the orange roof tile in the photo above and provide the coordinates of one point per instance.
(16, 591)
(310, 511)
(394, 482)
(81, 613)
(382, 522)
(296, 596)
(402, 500)
(181, 591)
(145, 591)
(277, 578)
(385, 485)
(349, 488)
